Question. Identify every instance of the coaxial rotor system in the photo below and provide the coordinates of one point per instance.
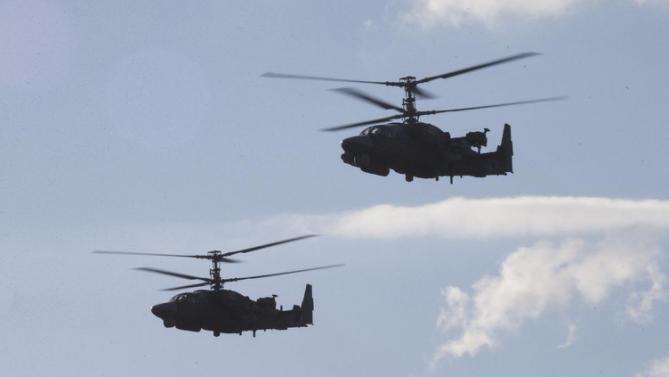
(408, 111)
(217, 257)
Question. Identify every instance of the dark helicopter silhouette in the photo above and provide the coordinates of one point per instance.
(224, 311)
(417, 149)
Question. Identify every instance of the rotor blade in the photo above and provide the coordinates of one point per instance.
(150, 254)
(185, 286)
(422, 93)
(359, 124)
(170, 273)
(430, 112)
(321, 78)
(202, 256)
(355, 93)
(228, 260)
(479, 66)
(282, 273)
(254, 248)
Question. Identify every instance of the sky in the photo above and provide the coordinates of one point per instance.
(144, 126)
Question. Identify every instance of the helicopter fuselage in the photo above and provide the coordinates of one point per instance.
(226, 311)
(414, 148)
(425, 151)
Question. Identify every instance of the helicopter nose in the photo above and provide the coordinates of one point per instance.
(164, 310)
(356, 144)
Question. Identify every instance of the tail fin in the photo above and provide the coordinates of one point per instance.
(506, 150)
(308, 306)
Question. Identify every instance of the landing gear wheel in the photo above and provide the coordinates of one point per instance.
(408, 178)
(217, 333)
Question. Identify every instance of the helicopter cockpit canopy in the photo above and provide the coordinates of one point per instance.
(182, 297)
(192, 297)
(376, 130)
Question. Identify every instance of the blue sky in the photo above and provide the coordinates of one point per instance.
(142, 126)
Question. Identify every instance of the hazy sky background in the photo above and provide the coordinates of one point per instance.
(146, 126)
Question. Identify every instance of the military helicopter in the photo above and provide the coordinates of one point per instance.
(417, 149)
(224, 311)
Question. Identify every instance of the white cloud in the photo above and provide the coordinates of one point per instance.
(487, 218)
(659, 368)
(429, 13)
(535, 279)
(571, 336)
(600, 245)
(642, 303)
(455, 12)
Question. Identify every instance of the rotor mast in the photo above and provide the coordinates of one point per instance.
(215, 270)
(409, 101)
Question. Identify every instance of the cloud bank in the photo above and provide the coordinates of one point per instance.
(462, 218)
(429, 13)
(598, 246)
(455, 12)
(537, 278)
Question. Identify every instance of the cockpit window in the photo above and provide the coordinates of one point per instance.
(180, 297)
(376, 130)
